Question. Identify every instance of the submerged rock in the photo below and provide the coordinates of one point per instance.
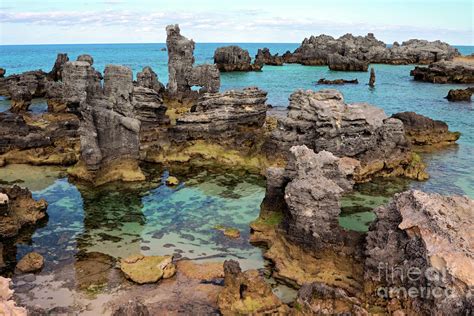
(247, 293)
(337, 81)
(322, 121)
(445, 72)
(264, 57)
(172, 181)
(8, 306)
(182, 74)
(234, 58)
(455, 95)
(31, 262)
(206, 271)
(22, 210)
(425, 242)
(422, 130)
(147, 269)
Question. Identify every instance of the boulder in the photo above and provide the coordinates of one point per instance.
(421, 130)
(23, 210)
(424, 242)
(87, 58)
(264, 57)
(343, 63)
(247, 293)
(20, 98)
(455, 95)
(147, 269)
(234, 58)
(56, 73)
(31, 262)
(322, 121)
(182, 75)
(445, 72)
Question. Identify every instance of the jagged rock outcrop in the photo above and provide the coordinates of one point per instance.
(148, 106)
(264, 57)
(445, 72)
(247, 293)
(421, 130)
(221, 115)
(372, 78)
(54, 142)
(234, 58)
(34, 81)
(20, 98)
(182, 74)
(8, 306)
(423, 242)
(318, 298)
(23, 210)
(316, 49)
(54, 97)
(455, 95)
(342, 63)
(322, 121)
(2, 72)
(56, 73)
(337, 81)
(147, 78)
(109, 130)
(87, 58)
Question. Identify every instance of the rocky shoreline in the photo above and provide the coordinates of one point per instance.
(105, 126)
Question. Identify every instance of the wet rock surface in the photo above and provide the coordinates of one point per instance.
(22, 210)
(147, 269)
(455, 95)
(132, 308)
(31, 262)
(247, 293)
(234, 58)
(421, 130)
(337, 81)
(322, 121)
(317, 49)
(432, 234)
(182, 74)
(445, 72)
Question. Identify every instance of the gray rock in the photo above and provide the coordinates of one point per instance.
(86, 58)
(460, 94)
(207, 77)
(445, 72)
(182, 75)
(372, 78)
(234, 58)
(148, 106)
(20, 98)
(34, 80)
(342, 63)
(56, 73)
(265, 57)
(147, 78)
(428, 233)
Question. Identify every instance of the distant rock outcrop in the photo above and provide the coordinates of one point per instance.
(337, 81)
(182, 74)
(266, 58)
(234, 58)
(322, 121)
(455, 95)
(372, 78)
(422, 130)
(432, 235)
(445, 72)
(342, 63)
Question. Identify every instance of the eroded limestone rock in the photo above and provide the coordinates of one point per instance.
(20, 98)
(445, 72)
(56, 73)
(455, 95)
(265, 57)
(147, 269)
(31, 262)
(430, 238)
(342, 63)
(234, 58)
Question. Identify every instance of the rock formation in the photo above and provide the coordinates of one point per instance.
(20, 98)
(264, 57)
(2, 72)
(234, 58)
(372, 78)
(8, 306)
(455, 95)
(342, 63)
(109, 130)
(86, 58)
(182, 74)
(445, 72)
(147, 78)
(421, 130)
(56, 73)
(31, 262)
(147, 269)
(221, 115)
(131, 308)
(322, 121)
(34, 81)
(247, 293)
(23, 210)
(337, 81)
(316, 50)
(423, 243)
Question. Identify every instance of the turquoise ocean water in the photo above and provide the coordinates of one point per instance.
(155, 219)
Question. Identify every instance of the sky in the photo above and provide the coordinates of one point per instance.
(237, 21)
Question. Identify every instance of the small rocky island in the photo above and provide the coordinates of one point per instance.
(106, 126)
